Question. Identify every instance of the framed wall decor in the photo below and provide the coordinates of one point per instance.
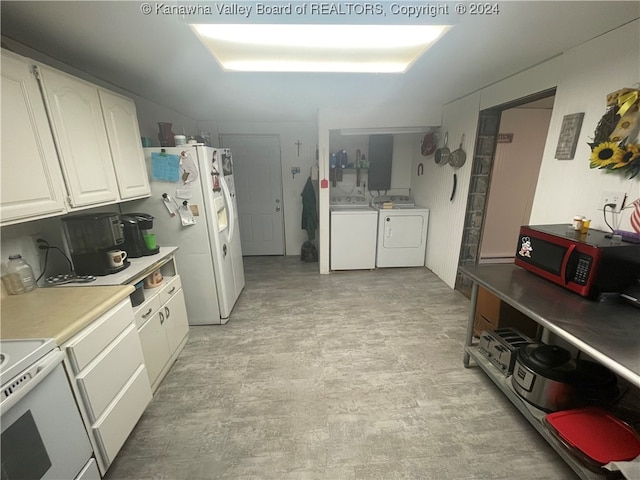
(569, 132)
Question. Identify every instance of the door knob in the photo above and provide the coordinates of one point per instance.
(277, 209)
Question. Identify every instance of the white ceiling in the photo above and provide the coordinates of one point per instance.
(159, 57)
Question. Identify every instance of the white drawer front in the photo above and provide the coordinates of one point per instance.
(115, 425)
(84, 347)
(101, 381)
(147, 310)
(170, 289)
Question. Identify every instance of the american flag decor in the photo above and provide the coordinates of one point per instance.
(635, 216)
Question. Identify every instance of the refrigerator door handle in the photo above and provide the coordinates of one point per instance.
(227, 196)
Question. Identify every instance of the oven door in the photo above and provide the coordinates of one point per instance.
(43, 436)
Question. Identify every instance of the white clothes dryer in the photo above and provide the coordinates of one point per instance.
(402, 236)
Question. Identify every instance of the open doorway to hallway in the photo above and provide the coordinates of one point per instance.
(507, 157)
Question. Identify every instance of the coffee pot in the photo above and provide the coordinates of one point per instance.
(138, 240)
(92, 239)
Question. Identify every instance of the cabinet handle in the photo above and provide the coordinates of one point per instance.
(161, 318)
(167, 312)
(172, 290)
(145, 315)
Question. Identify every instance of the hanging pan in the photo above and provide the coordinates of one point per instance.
(458, 157)
(442, 154)
(429, 143)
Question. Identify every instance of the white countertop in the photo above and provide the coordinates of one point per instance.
(136, 271)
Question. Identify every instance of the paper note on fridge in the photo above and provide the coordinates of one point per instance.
(165, 167)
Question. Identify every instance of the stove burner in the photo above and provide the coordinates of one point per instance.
(69, 278)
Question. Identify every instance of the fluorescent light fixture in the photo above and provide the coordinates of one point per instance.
(317, 48)
(383, 130)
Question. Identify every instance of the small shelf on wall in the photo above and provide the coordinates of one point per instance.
(336, 174)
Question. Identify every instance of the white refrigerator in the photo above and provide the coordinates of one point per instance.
(194, 207)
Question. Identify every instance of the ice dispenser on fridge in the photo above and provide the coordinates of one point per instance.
(95, 242)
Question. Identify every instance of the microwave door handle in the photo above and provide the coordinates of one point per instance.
(565, 263)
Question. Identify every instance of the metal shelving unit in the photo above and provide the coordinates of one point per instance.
(534, 416)
(606, 332)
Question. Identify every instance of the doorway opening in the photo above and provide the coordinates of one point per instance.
(506, 162)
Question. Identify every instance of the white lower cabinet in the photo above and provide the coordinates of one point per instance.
(155, 347)
(163, 328)
(106, 367)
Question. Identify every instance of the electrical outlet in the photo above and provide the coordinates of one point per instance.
(34, 238)
(611, 197)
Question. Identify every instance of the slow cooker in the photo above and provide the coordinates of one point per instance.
(549, 378)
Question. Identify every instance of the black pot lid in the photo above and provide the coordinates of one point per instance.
(550, 361)
(550, 356)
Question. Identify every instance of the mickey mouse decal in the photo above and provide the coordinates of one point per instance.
(525, 247)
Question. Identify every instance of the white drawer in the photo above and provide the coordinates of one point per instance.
(101, 381)
(117, 422)
(85, 346)
(147, 310)
(173, 285)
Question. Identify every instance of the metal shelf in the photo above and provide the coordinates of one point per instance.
(534, 416)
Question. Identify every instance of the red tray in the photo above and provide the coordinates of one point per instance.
(596, 433)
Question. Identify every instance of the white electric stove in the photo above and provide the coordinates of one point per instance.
(37, 409)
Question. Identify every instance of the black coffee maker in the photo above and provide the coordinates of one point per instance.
(138, 241)
(95, 241)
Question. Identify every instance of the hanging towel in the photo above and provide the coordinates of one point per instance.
(309, 212)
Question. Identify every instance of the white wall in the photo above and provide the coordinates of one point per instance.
(583, 76)
(20, 239)
(433, 189)
(569, 187)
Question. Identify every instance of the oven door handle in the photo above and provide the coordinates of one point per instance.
(43, 368)
(565, 262)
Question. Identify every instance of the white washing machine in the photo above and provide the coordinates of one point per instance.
(354, 226)
(402, 233)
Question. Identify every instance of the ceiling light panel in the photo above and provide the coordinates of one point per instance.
(318, 48)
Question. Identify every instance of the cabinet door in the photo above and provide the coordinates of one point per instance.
(32, 184)
(81, 137)
(155, 347)
(123, 132)
(176, 323)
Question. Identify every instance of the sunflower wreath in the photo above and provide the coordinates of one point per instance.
(613, 148)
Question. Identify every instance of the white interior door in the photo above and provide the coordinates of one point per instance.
(257, 173)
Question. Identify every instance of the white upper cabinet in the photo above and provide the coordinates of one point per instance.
(79, 130)
(31, 182)
(126, 149)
